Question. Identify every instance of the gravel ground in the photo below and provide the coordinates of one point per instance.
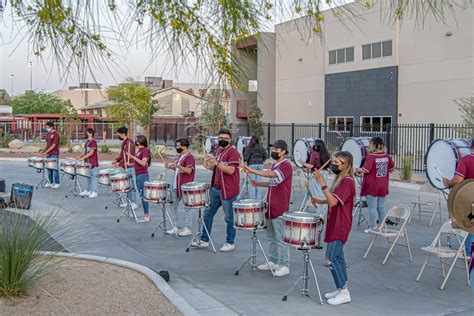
(80, 287)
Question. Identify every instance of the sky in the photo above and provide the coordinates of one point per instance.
(15, 56)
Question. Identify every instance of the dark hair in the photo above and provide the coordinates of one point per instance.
(183, 142)
(254, 141)
(320, 147)
(225, 131)
(377, 142)
(90, 131)
(50, 124)
(122, 130)
(141, 140)
(472, 143)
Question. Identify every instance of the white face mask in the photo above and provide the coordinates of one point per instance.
(48, 129)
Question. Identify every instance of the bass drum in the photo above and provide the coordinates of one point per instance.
(442, 158)
(210, 144)
(359, 149)
(302, 150)
(242, 142)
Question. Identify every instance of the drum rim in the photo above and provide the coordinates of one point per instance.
(159, 183)
(298, 164)
(240, 203)
(306, 219)
(194, 185)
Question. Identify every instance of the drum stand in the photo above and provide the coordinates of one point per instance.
(305, 277)
(252, 259)
(162, 224)
(197, 236)
(118, 200)
(77, 187)
(44, 179)
(358, 205)
(244, 187)
(128, 211)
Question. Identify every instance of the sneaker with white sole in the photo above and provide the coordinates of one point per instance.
(56, 186)
(331, 294)
(341, 298)
(134, 206)
(200, 244)
(84, 193)
(227, 247)
(282, 271)
(145, 219)
(172, 231)
(93, 195)
(266, 266)
(185, 232)
(48, 185)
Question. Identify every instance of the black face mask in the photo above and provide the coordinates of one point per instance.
(179, 150)
(335, 169)
(121, 138)
(275, 155)
(223, 143)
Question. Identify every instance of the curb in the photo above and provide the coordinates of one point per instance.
(407, 186)
(161, 284)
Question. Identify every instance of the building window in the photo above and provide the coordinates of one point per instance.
(340, 123)
(375, 123)
(339, 56)
(377, 50)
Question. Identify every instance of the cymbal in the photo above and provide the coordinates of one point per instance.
(461, 206)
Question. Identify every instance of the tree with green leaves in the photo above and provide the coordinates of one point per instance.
(133, 103)
(254, 119)
(36, 102)
(213, 117)
(68, 119)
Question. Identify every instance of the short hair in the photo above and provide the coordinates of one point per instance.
(50, 124)
(90, 131)
(225, 131)
(141, 140)
(472, 143)
(122, 130)
(183, 142)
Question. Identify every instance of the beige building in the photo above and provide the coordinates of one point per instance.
(83, 95)
(371, 71)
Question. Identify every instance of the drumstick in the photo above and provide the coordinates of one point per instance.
(439, 172)
(311, 178)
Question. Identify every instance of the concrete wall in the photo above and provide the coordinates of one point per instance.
(173, 102)
(81, 97)
(266, 76)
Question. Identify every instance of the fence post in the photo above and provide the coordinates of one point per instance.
(268, 138)
(432, 127)
(320, 130)
(155, 132)
(187, 131)
(389, 143)
(248, 129)
(176, 130)
(351, 130)
(292, 134)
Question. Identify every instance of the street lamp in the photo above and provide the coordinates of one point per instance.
(30, 65)
(11, 76)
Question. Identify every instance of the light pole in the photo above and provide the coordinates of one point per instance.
(30, 65)
(11, 76)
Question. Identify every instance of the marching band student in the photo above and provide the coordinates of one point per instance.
(142, 161)
(91, 157)
(318, 157)
(278, 199)
(225, 183)
(255, 155)
(340, 199)
(464, 171)
(123, 161)
(52, 151)
(376, 170)
(184, 172)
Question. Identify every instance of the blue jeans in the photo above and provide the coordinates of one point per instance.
(376, 209)
(141, 178)
(175, 215)
(278, 252)
(335, 254)
(255, 193)
(53, 175)
(133, 194)
(217, 201)
(468, 243)
(92, 181)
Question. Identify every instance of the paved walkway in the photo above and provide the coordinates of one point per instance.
(207, 280)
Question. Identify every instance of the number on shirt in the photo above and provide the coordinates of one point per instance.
(382, 168)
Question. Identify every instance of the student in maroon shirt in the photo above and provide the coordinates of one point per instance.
(340, 199)
(52, 151)
(225, 183)
(91, 157)
(376, 170)
(278, 199)
(464, 171)
(142, 161)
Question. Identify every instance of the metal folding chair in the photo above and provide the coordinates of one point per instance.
(427, 189)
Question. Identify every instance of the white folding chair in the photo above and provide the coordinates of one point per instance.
(424, 191)
(400, 213)
(438, 249)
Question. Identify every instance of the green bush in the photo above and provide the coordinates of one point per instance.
(406, 171)
(5, 139)
(104, 149)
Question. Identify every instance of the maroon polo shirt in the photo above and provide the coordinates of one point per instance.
(94, 159)
(378, 167)
(465, 167)
(228, 183)
(142, 153)
(187, 160)
(53, 138)
(127, 146)
(339, 220)
(279, 190)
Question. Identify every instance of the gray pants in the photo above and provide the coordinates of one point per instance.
(175, 214)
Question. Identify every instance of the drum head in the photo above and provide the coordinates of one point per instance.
(357, 147)
(242, 142)
(210, 143)
(460, 203)
(301, 150)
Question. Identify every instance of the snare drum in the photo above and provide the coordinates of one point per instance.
(103, 176)
(300, 229)
(249, 214)
(156, 192)
(302, 150)
(359, 149)
(242, 142)
(83, 169)
(51, 163)
(120, 182)
(36, 162)
(211, 143)
(195, 195)
(69, 167)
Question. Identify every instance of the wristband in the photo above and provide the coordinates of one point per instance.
(324, 187)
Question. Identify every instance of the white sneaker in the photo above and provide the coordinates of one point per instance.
(266, 266)
(84, 193)
(48, 185)
(56, 186)
(282, 271)
(341, 298)
(172, 231)
(123, 205)
(134, 206)
(200, 244)
(331, 294)
(227, 247)
(185, 232)
(93, 195)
